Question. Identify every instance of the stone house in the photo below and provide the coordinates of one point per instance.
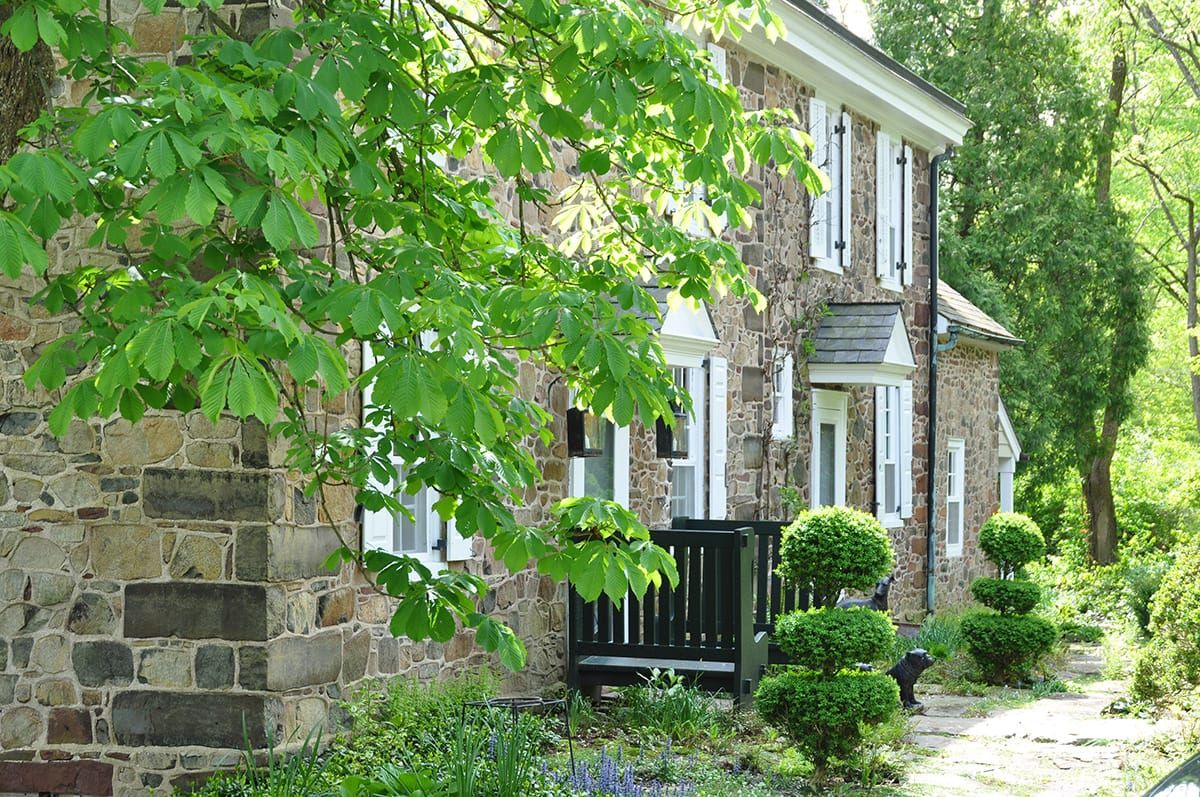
(161, 582)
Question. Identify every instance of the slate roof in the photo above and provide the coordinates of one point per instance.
(957, 309)
(854, 333)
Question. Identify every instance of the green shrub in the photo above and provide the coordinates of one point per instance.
(829, 640)
(1011, 541)
(1143, 576)
(1175, 623)
(835, 548)
(1006, 597)
(940, 635)
(825, 716)
(1071, 631)
(1007, 646)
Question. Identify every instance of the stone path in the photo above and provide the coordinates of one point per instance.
(1061, 744)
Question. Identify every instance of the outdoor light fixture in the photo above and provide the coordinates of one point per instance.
(672, 443)
(585, 434)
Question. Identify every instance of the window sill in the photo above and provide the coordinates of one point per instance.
(891, 285)
(891, 521)
(780, 435)
(954, 553)
(829, 265)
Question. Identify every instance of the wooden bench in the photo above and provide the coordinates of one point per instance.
(703, 629)
(771, 597)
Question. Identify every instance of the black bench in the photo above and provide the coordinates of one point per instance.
(703, 629)
(771, 597)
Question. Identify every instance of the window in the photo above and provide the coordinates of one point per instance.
(829, 230)
(893, 215)
(784, 425)
(893, 453)
(827, 477)
(687, 475)
(955, 478)
(605, 476)
(418, 531)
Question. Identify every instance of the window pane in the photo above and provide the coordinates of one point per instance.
(598, 471)
(827, 464)
(412, 536)
(953, 523)
(890, 503)
(683, 490)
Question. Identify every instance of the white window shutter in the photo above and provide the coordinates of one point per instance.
(458, 547)
(818, 226)
(906, 213)
(847, 231)
(717, 436)
(906, 446)
(883, 205)
(717, 53)
(880, 449)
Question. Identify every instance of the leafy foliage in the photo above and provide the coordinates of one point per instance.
(1007, 646)
(825, 716)
(1005, 596)
(280, 208)
(1175, 619)
(835, 548)
(829, 640)
(1010, 541)
(666, 705)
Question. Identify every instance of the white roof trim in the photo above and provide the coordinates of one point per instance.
(687, 334)
(1010, 446)
(899, 352)
(834, 67)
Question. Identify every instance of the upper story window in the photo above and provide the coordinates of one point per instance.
(830, 223)
(893, 212)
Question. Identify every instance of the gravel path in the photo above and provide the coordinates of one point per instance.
(1062, 744)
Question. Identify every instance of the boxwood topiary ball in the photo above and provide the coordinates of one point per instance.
(1007, 646)
(1011, 541)
(829, 640)
(825, 716)
(834, 548)
(1006, 597)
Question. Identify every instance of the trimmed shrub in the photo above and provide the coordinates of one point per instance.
(1011, 541)
(825, 716)
(1007, 646)
(829, 640)
(1143, 575)
(1006, 597)
(834, 548)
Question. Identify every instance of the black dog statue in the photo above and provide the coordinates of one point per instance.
(907, 671)
(878, 601)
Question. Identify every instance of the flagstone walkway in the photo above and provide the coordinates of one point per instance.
(1062, 744)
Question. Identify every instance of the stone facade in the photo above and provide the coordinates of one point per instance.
(160, 582)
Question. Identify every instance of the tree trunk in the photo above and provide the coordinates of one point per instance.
(24, 87)
(1098, 495)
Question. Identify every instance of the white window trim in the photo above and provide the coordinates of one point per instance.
(887, 414)
(829, 406)
(956, 493)
(620, 469)
(783, 382)
(695, 458)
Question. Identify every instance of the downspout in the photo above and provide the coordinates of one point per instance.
(932, 477)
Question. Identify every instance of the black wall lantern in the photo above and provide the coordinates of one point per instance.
(585, 434)
(672, 443)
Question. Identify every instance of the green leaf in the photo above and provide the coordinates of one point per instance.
(241, 390)
(201, 204)
(595, 161)
(161, 157)
(303, 360)
(22, 27)
(214, 388)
